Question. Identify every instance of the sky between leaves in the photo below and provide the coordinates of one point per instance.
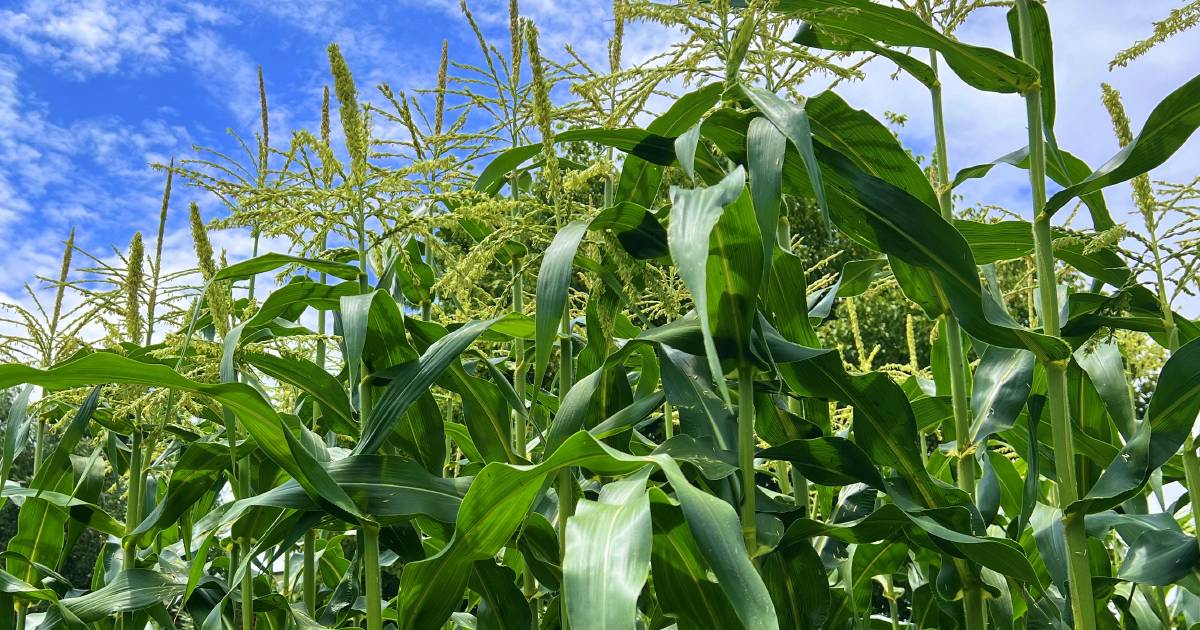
(92, 92)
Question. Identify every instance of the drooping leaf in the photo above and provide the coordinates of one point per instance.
(1170, 124)
(1002, 384)
(500, 497)
(847, 41)
(798, 585)
(1065, 171)
(412, 381)
(694, 214)
(552, 285)
(982, 68)
(608, 556)
(640, 179)
(135, 589)
(388, 488)
(831, 461)
(252, 412)
(791, 121)
(1169, 419)
(16, 432)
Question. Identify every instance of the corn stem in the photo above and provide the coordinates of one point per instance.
(746, 452)
(973, 608)
(1078, 569)
(374, 595)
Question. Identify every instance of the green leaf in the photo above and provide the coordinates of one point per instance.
(197, 471)
(554, 279)
(765, 148)
(682, 575)
(628, 416)
(258, 418)
(373, 335)
(486, 414)
(12, 585)
(640, 180)
(607, 556)
(792, 121)
(272, 261)
(1105, 367)
(503, 606)
(798, 585)
(866, 562)
(388, 488)
(884, 423)
(1064, 171)
(1169, 419)
(290, 300)
(869, 144)
(635, 227)
(694, 214)
(412, 381)
(999, 554)
(688, 385)
(734, 273)
(40, 536)
(1159, 553)
(1170, 124)
(886, 218)
(983, 68)
(1002, 384)
(136, 589)
(500, 498)
(830, 461)
(16, 432)
(856, 277)
(82, 511)
(846, 41)
(903, 227)
(651, 147)
(685, 150)
(785, 302)
(310, 378)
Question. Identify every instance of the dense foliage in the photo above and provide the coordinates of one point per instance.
(743, 366)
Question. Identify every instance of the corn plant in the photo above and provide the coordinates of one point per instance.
(667, 434)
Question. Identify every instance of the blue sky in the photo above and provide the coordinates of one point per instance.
(94, 91)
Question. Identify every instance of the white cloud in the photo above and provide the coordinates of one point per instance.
(54, 176)
(90, 37)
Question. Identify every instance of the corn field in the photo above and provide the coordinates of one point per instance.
(681, 344)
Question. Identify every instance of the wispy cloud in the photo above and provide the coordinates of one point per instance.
(90, 37)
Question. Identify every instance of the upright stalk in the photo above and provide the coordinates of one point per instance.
(973, 608)
(310, 537)
(1078, 569)
(529, 586)
(520, 440)
(1191, 472)
(746, 452)
(133, 510)
(797, 482)
(253, 254)
(133, 498)
(245, 549)
(48, 352)
(374, 595)
(566, 482)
